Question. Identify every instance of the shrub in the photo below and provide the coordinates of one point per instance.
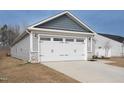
(94, 57)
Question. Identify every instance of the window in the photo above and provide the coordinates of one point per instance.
(45, 39)
(69, 40)
(57, 39)
(79, 40)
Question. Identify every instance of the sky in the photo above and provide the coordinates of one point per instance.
(101, 21)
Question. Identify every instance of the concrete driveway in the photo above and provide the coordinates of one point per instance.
(86, 71)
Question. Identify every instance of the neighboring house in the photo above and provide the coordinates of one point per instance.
(62, 37)
(109, 45)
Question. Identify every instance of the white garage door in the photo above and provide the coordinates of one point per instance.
(59, 49)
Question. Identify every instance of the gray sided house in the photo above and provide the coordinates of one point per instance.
(62, 37)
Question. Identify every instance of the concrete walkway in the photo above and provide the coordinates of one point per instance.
(86, 71)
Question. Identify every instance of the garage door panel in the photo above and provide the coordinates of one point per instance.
(61, 51)
(45, 48)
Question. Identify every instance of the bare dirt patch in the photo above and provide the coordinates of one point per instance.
(17, 71)
(4, 52)
(117, 61)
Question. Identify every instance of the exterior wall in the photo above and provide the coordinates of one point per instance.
(27, 48)
(101, 42)
(63, 22)
(21, 49)
(34, 50)
(90, 48)
(116, 50)
(35, 44)
(90, 55)
(89, 44)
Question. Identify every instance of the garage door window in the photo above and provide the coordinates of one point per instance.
(45, 39)
(69, 40)
(57, 39)
(79, 40)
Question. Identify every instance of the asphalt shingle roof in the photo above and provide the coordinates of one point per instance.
(113, 37)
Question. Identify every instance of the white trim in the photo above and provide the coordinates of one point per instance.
(38, 48)
(86, 51)
(30, 51)
(19, 37)
(60, 14)
(61, 36)
(48, 19)
(31, 42)
(65, 12)
(91, 44)
(52, 36)
(29, 45)
(60, 31)
(82, 23)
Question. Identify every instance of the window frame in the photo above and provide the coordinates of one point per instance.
(59, 39)
(80, 40)
(69, 40)
(45, 39)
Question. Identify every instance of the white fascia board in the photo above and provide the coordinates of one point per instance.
(48, 19)
(86, 50)
(60, 14)
(60, 31)
(38, 48)
(80, 22)
(31, 42)
(19, 37)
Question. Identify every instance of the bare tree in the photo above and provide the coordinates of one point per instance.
(8, 34)
(24, 26)
(107, 47)
(4, 35)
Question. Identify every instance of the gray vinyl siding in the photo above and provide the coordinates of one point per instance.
(63, 22)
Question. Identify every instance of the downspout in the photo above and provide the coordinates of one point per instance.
(86, 52)
(92, 43)
(30, 50)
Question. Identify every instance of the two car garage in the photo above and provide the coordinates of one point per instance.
(61, 49)
(62, 37)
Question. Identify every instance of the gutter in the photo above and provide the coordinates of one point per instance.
(60, 31)
(28, 31)
(20, 37)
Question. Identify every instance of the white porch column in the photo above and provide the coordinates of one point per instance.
(31, 46)
(91, 44)
(31, 42)
(86, 51)
(38, 40)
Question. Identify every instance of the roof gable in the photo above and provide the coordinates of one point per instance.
(63, 21)
(113, 37)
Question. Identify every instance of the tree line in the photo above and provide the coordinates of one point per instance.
(8, 34)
